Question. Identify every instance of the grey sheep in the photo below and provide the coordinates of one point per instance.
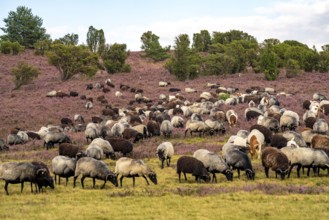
(121, 145)
(95, 169)
(53, 138)
(127, 167)
(269, 122)
(20, 172)
(188, 164)
(320, 126)
(105, 146)
(298, 138)
(213, 163)
(240, 161)
(63, 166)
(165, 151)
(13, 139)
(94, 151)
(93, 130)
(166, 128)
(177, 121)
(197, 126)
(276, 160)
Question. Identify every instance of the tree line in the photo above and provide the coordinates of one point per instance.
(218, 53)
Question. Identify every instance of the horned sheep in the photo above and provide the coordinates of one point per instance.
(276, 160)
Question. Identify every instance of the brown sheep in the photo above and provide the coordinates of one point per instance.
(320, 141)
(68, 149)
(276, 160)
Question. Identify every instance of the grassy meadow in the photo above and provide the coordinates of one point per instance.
(303, 198)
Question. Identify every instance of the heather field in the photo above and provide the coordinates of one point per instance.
(28, 108)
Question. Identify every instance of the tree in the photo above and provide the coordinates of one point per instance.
(323, 65)
(293, 68)
(41, 46)
(201, 41)
(185, 63)
(71, 60)
(152, 47)
(25, 28)
(96, 40)
(12, 48)
(115, 58)
(269, 64)
(70, 39)
(24, 74)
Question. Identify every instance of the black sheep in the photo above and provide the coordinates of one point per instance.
(68, 149)
(306, 104)
(174, 90)
(153, 128)
(33, 135)
(252, 114)
(309, 122)
(279, 141)
(188, 164)
(121, 145)
(74, 94)
(132, 134)
(276, 160)
(47, 180)
(66, 121)
(240, 161)
(96, 119)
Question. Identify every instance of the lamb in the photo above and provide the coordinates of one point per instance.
(240, 161)
(121, 145)
(20, 172)
(105, 146)
(166, 128)
(165, 151)
(188, 164)
(256, 140)
(127, 167)
(69, 150)
(231, 117)
(197, 126)
(276, 160)
(213, 163)
(53, 138)
(94, 151)
(95, 169)
(63, 166)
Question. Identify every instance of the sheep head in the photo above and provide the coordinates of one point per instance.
(153, 177)
(250, 174)
(113, 179)
(228, 174)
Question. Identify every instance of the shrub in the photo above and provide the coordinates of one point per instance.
(13, 48)
(293, 68)
(41, 47)
(223, 96)
(24, 74)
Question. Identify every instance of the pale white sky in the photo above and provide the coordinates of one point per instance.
(125, 21)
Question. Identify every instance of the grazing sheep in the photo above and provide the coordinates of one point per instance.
(320, 126)
(164, 84)
(188, 164)
(297, 137)
(49, 180)
(23, 136)
(190, 90)
(94, 151)
(177, 121)
(318, 97)
(105, 146)
(118, 129)
(95, 169)
(33, 135)
(240, 161)
(142, 129)
(121, 145)
(264, 130)
(79, 118)
(118, 94)
(216, 126)
(127, 167)
(231, 117)
(288, 122)
(53, 138)
(276, 160)
(166, 128)
(252, 112)
(165, 152)
(153, 128)
(132, 134)
(278, 141)
(89, 105)
(66, 121)
(320, 141)
(69, 150)
(309, 122)
(20, 172)
(63, 166)
(269, 122)
(213, 163)
(93, 130)
(197, 126)
(13, 139)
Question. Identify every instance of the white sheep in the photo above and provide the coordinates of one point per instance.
(106, 147)
(95, 151)
(63, 166)
(127, 167)
(89, 105)
(177, 121)
(197, 126)
(165, 151)
(166, 128)
(231, 117)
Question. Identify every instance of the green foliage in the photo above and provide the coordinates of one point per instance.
(70, 39)
(25, 28)
(323, 64)
(41, 46)
(96, 40)
(13, 48)
(115, 57)
(218, 64)
(293, 68)
(230, 36)
(24, 74)
(152, 47)
(269, 65)
(185, 63)
(71, 60)
(201, 41)
(223, 96)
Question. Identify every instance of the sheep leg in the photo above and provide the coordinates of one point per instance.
(59, 180)
(266, 172)
(133, 181)
(162, 163)
(102, 187)
(185, 132)
(298, 170)
(82, 179)
(94, 183)
(179, 176)
(121, 181)
(239, 173)
(214, 178)
(308, 170)
(67, 180)
(168, 162)
(74, 181)
(291, 166)
(146, 180)
(185, 176)
(6, 188)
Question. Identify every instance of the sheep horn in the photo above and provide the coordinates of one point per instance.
(41, 171)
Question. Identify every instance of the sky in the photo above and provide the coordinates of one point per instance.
(124, 22)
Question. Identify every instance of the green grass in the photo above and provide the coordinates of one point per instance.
(294, 198)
